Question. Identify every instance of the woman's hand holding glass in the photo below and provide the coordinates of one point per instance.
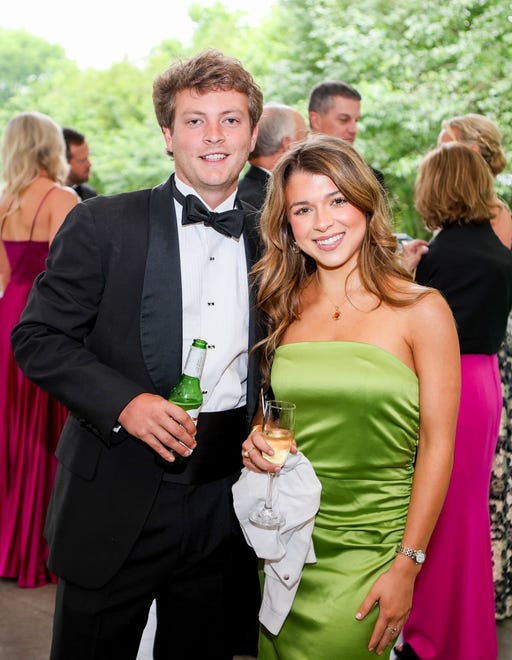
(256, 452)
(277, 433)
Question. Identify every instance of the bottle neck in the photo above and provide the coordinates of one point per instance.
(195, 362)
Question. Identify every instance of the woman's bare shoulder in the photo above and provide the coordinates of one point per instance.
(501, 223)
(66, 193)
(424, 302)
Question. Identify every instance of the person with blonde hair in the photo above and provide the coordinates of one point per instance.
(483, 135)
(371, 361)
(453, 608)
(33, 204)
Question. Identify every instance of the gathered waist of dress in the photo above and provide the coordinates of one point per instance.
(363, 504)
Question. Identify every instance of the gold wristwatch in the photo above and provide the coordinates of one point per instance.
(418, 556)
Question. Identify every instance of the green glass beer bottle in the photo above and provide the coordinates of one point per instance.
(187, 393)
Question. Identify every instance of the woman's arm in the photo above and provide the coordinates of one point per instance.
(437, 359)
(435, 349)
(502, 224)
(5, 269)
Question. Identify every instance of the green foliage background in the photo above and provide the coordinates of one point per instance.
(413, 64)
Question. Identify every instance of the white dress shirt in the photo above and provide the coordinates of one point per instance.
(215, 306)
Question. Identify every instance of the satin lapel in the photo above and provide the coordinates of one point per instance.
(161, 309)
(252, 241)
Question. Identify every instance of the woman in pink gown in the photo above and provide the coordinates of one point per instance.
(484, 136)
(33, 204)
(452, 615)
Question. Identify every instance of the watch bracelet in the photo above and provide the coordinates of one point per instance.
(410, 552)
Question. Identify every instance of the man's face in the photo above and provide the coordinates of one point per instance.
(80, 166)
(340, 121)
(210, 140)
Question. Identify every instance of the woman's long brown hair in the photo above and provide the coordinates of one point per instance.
(283, 271)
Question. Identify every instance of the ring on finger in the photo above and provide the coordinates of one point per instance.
(392, 630)
(248, 451)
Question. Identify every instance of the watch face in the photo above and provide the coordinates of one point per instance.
(420, 556)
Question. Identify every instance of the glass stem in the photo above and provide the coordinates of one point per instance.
(268, 498)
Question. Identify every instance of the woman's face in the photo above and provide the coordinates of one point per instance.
(325, 225)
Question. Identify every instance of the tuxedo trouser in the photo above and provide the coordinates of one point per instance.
(192, 559)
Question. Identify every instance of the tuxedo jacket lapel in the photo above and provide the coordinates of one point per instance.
(161, 308)
(252, 244)
(252, 240)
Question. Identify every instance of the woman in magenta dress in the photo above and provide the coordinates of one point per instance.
(453, 607)
(484, 136)
(33, 204)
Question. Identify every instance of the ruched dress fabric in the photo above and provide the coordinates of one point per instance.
(30, 424)
(357, 422)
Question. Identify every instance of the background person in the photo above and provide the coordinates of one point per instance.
(279, 127)
(371, 361)
(127, 288)
(453, 609)
(33, 204)
(483, 135)
(334, 108)
(77, 153)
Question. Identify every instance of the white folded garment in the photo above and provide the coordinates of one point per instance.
(285, 550)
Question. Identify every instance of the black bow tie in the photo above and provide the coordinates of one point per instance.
(228, 223)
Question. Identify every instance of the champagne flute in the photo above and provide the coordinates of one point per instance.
(278, 427)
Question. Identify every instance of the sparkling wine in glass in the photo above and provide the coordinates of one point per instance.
(278, 426)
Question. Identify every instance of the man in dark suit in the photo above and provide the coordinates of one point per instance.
(77, 154)
(131, 280)
(334, 109)
(279, 127)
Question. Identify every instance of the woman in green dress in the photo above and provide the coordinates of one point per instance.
(371, 360)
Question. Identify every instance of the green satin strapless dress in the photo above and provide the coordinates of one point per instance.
(357, 422)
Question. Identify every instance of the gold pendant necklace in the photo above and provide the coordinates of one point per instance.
(336, 315)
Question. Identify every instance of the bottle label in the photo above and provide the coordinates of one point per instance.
(191, 409)
(194, 414)
(195, 362)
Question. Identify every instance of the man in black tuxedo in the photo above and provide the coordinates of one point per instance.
(131, 280)
(280, 126)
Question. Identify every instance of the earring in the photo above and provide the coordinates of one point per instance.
(295, 248)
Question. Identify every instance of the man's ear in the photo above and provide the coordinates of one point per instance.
(254, 137)
(167, 137)
(314, 120)
(286, 143)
